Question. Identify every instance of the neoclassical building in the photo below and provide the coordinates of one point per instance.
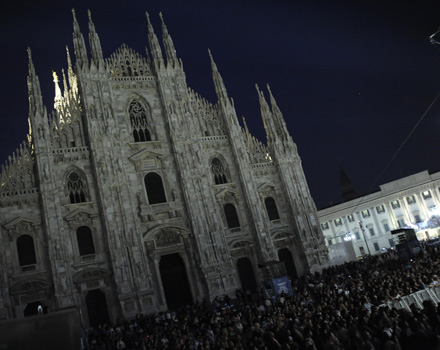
(136, 194)
(367, 221)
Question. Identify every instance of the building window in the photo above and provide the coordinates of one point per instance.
(350, 218)
(85, 241)
(218, 171)
(139, 124)
(76, 188)
(395, 204)
(371, 231)
(324, 226)
(410, 200)
(154, 187)
(417, 218)
(380, 209)
(271, 208)
(358, 236)
(401, 223)
(231, 216)
(26, 250)
(386, 227)
(376, 246)
(426, 194)
(338, 222)
(365, 213)
(391, 241)
(362, 250)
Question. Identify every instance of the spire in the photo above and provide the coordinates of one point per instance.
(156, 51)
(278, 118)
(58, 100)
(78, 44)
(220, 88)
(266, 114)
(245, 127)
(37, 120)
(95, 44)
(248, 134)
(170, 51)
(65, 86)
(70, 73)
(347, 189)
(34, 90)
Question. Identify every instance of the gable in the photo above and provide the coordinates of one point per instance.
(21, 224)
(145, 159)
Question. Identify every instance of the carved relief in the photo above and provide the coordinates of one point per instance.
(33, 296)
(145, 159)
(20, 226)
(227, 196)
(79, 217)
(266, 190)
(280, 236)
(166, 238)
(28, 287)
(240, 249)
(92, 284)
(90, 274)
(17, 173)
(125, 62)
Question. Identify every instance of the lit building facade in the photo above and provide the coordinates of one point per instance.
(136, 194)
(410, 202)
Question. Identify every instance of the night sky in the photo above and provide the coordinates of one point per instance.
(352, 78)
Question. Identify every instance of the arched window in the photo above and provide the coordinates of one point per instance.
(139, 124)
(231, 216)
(154, 187)
(76, 188)
(218, 171)
(271, 208)
(85, 241)
(26, 250)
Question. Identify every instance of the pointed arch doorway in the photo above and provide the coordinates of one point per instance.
(246, 274)
(285, 255)
(175, 281)
(97, 307)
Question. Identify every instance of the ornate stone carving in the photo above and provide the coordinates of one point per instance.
(227, 195)
(17, 172)
(27, 287)
(125, 62)
(80, 216)
(266, 190)
(90, 274)
(33, 296)
(166, 238)
(145, 159)
(92, 284)
(20, 226)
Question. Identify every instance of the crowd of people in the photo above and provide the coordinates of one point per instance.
(339, 308)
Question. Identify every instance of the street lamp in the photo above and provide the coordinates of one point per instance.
(365, 239)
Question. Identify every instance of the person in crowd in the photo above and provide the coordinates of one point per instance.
(343, 307)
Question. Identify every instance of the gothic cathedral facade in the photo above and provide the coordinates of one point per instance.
(135, 194)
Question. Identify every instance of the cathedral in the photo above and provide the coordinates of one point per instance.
(134, 194)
